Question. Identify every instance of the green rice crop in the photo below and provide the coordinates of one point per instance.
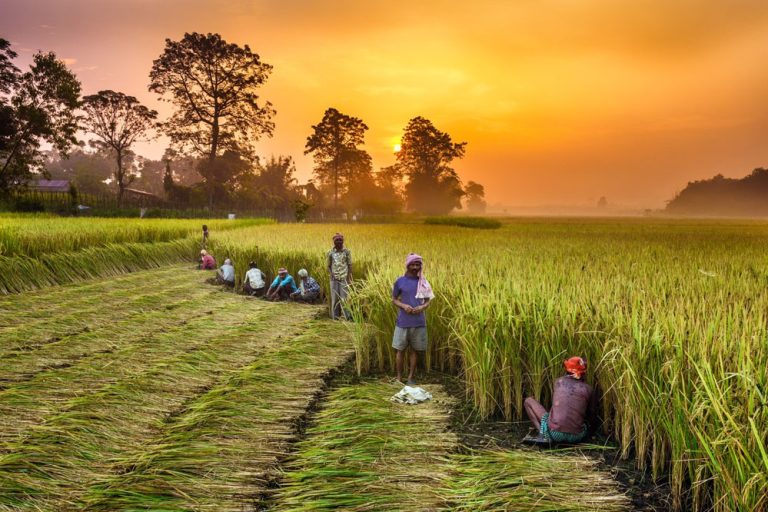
(669, 314)
(531, 481)
(367, 453)
(34, 236)
(464, 222)
(364, 452)
(82, 439)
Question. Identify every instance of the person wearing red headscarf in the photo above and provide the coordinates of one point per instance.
(573, 407)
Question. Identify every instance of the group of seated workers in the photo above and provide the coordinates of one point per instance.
(284, 287)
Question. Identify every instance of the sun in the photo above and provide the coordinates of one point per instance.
(397, 148)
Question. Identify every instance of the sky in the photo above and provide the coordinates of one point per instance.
(560, 101)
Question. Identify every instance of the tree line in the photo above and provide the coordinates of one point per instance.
(218, 117)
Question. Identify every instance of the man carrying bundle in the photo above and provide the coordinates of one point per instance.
(340, 269)
(573, 407)
(412, 294)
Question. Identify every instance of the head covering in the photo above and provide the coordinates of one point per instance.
(303, 273)
(203, 252)
(282, 270)
(338, 236)
(424, 289)
(227, 261)
(575, 366)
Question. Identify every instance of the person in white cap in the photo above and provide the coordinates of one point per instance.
(309, 289)
(226, 274)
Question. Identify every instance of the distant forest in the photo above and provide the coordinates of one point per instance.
(721, 196)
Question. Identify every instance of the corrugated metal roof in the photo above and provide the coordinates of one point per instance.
(51, 185)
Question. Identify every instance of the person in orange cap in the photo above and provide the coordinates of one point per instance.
(573, 407)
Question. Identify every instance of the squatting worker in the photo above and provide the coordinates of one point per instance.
(573, 406)
(255, 282)
(206, 261)
(309, 288)
(226, 274)
(412, 294)
(282, 287)
(340, 270)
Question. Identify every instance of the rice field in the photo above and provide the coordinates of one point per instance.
(367, 453)
(145, 390)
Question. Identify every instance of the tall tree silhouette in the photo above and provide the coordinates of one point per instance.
(118, 121)
(475, 195)
(36, 107)
(213, 85)
(334, 147)
(425, 155)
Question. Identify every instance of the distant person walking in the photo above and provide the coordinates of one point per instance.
(205, 236)
(340, 270)
(255, 282)
(412, 294)
(206, 261)
(573, 410)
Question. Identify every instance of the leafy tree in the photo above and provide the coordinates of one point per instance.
(36, 107)
(118, 121)
(224, 175)
(213, 85)
(273, 186)
(425, 156)
(339, 161)
(87, 171)
(475, 195)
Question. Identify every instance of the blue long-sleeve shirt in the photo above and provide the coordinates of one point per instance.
(286, 282)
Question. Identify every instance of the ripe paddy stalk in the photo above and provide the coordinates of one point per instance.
(638, 298)
(643, 300)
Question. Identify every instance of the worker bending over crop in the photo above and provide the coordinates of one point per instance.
(282, 287)
(206, 261)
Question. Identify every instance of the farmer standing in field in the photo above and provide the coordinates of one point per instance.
(412, 294)
(573, 407)
(340, 270)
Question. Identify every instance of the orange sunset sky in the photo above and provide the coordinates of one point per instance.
(561, 101)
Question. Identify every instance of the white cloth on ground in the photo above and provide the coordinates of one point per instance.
(411, 395)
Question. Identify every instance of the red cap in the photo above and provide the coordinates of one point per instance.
(576, 366)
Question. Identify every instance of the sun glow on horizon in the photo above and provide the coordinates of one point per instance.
(396, 148)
